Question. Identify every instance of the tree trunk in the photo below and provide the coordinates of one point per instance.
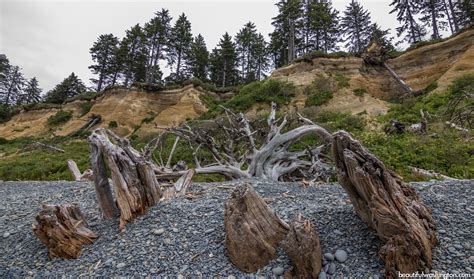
(303, 248)
(253, 230)
(135, 185)
(76, 173)
(388, 205)
(63, 229)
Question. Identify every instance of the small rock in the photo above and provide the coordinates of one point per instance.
(6, 235)
(337, 232)
(332, 268)
(120, 265)
(341, 256)
(452, 249)
(167, 241)
(322, 275)
(209, 231)
(457, 246)
(231, 277)
(159, 231)
(175, 230)
(180, 276)
(278, 271)
(329, 256)
(471, 259)
(442, 231)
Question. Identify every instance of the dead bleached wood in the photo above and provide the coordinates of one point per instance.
(63, 229)
(48, 146)
(135, 185)
(430, 173)
(253, 230)
(180, 187)
(388, 205)
(243, 155)
(303, 248)
(76, 173)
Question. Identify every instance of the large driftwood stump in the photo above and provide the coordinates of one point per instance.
(135, 185)
(303, 248)
(253, 230)
(63, 229)
(388, 205)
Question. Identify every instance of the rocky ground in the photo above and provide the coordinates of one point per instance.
(186, 237)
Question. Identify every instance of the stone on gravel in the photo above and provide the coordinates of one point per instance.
(6, 235)
(322, 275)
(278, 271)
(341, 256)
(332, 268)
(159, 231)
(329, 256)
(120, 265)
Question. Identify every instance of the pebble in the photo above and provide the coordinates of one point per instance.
(341, 256)
(278, 271)
(159, 231)
(322, 275)
(6, 235)
(167, 241)
(337, 232)
(332, 268)
(452, 249)
(457, 246)
(231, 277)
(120, 265)
(329, 256)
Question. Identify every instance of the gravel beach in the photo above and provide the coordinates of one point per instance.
(186, 236)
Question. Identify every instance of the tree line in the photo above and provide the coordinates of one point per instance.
(300, 27)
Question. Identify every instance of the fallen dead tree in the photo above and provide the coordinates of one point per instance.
(76, 173)
(63, 229)
(244, 154)
(388, 205)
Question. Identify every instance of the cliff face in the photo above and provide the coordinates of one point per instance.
(127, 107)
(441, 62)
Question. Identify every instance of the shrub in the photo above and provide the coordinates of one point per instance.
(308, 57)
(87, 96)
(3, 140)
(59, 118)
(319, 98)
(149, 87)
(340, 121)
(113, 124)
(84, 108)
(432, 86)
(5, 113)
(360, 91)
(342, 81)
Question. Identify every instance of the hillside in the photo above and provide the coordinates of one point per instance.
(136, 111)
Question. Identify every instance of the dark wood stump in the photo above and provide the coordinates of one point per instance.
(253, 230)
(388, 205)
(303, 248)
(135, 185)
(63, 229)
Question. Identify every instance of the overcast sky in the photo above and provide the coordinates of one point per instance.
(50, 39)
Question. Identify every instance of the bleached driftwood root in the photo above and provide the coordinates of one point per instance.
(430, 174)
(180, 187)
(135, 185)
(388, 205)
(76, 173)
(253, 230)
(63, 229)
(271, 159)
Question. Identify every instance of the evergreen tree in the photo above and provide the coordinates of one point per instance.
(157, 32)
(31, 93)
(323, 30)
(433, 16)
(132, 55)
(287, 38)
(244, 41)
(198, 62)
(68, 88)
(259, 56)
(11, 83)
(223, 63)
(406, 15)
(103, 54)
(180, 45)
(356, 25)
(464, 12)
(381, 37)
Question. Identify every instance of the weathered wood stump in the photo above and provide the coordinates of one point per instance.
(63, 229)
(253, 230)
(388, 205)
(135, 185)
(303, 248)
(180, 187)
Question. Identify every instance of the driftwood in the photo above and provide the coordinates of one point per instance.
(430, 174)
(76, 173)
(253, 230)
(266, 157)
(63, 229)
(303, 248)
(388, 205)
(135, 185)
(48, 147)
(180, 187)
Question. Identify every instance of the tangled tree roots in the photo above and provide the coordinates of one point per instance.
(388, 205)
(63, 229)
(253, 230)
(303, 248)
